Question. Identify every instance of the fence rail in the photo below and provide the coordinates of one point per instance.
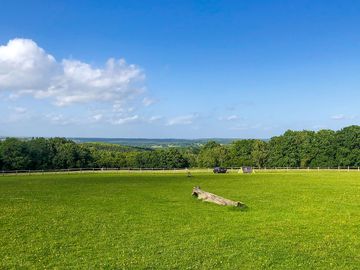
(230, 170)
(84, 170)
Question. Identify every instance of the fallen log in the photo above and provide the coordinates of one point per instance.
(210, 197)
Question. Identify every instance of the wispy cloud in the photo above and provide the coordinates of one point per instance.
(20, 110)
(148, 101)
(155, 118)
(342, 117)
(125, 120)
(97, 117)
(60, 119)
(182, 120)
(232, 117)
(338, 117)
(16, 114)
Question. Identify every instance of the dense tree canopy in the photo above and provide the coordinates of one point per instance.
(325, 148)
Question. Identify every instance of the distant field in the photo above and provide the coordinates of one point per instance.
(306, 220)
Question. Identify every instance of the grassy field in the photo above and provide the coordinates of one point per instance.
(308, 220)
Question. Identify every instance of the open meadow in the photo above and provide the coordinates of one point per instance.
(308, 220)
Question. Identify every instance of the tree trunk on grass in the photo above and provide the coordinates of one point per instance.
(209, 197)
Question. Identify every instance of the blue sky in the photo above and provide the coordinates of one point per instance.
(180, 69)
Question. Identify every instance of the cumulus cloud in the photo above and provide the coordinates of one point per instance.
(25, 68)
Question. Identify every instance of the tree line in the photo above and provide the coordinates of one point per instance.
(324, 148)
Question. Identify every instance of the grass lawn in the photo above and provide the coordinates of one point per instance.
(308, 220)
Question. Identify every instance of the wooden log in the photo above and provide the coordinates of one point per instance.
(210, 197)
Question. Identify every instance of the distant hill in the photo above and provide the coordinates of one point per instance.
(114, 147)
(143, 144)
(152, 143)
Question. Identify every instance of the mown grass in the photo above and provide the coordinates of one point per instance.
(308, 220)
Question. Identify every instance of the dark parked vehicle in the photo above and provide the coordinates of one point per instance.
(219, 170)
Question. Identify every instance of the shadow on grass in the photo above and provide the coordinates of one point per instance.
(243, 208)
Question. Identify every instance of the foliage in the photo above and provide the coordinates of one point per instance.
(325, 148)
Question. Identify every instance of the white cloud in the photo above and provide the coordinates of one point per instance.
(60, 119)
(16, 114)
(338, 117)
(125, 120)
(155, 118)
(20, 110)
(342, 117)
(97, 117)
(25, 68)
(148, 101)
(182, 120)
(230, 118)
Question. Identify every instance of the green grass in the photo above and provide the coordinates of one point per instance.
(307, 220)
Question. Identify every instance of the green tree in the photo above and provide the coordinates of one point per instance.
(241, 153)
(15, 154)
(172, 158)
(324, 149)
(259, 153)
(284, 151)
(348, 146)
(41, 153)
